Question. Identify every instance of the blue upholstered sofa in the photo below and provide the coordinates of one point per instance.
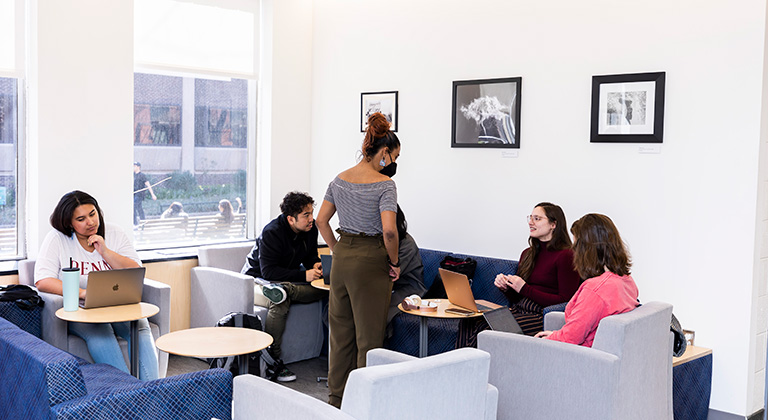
(443, 332)
(39, 381)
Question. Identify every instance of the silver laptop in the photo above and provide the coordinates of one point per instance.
(113, 287)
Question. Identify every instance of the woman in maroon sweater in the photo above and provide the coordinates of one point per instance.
(545, 275)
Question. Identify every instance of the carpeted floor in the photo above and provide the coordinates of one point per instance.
(306, 372)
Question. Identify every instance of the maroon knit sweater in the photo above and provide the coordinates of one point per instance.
(553, 280)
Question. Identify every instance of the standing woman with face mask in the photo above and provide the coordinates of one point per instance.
(365, 256)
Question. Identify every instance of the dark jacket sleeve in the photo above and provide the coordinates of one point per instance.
(312, 256)
(272, 250)
(567, 283)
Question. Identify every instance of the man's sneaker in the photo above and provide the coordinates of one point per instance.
(285, 375)
(274, 292)
(278, 372)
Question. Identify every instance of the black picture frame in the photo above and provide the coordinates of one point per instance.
(384, 102)
(628, 108)
(486, 113)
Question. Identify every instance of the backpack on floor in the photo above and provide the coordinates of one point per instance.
(239, 320)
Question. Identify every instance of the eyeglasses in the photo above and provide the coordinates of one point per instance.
(534, 218)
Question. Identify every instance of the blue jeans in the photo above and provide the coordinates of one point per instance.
(102, 344)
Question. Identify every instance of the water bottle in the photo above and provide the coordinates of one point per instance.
(70, 279)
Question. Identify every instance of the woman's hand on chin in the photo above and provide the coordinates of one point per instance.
(98, 243)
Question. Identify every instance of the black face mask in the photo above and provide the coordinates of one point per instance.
(389, 170)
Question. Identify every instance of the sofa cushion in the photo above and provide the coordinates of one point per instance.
(431, 258)
(27, 319)
(35, 375)
(100, 377)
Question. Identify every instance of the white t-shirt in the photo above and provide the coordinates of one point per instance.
(57, 249)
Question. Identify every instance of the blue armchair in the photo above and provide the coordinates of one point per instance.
(39, 381)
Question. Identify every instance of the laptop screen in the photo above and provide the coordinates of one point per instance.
(326, 260)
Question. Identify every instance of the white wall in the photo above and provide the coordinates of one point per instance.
(81, 99)
(688, 213)
(285, 91)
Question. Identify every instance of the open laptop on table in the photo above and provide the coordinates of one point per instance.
(113, 287)
(325, 261)
(460, 294)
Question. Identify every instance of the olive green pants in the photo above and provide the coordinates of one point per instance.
(360, 292)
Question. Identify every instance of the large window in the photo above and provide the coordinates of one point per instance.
(191, 141)
(11, 113)
(194, 114)
(9, 134)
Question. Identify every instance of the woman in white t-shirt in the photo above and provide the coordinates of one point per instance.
(82, 239)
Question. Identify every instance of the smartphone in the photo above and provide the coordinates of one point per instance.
(459, 311)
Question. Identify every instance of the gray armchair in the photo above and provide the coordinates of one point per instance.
(626, 374)
(217, 288)
(451, 385)
(55, 330)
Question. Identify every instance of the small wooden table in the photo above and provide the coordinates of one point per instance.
(442, 305)
(215, 342)
(692, 383)
(109, 314)
(320, 284)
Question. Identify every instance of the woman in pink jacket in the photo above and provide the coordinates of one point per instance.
(600, 257)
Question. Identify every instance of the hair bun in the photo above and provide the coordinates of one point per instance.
(378, 124)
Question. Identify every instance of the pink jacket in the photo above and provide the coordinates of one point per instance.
(597, 298)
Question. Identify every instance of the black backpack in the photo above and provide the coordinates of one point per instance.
(240, 320)
(24, 296)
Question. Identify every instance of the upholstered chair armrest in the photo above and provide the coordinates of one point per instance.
(258, 398)
(377, 357)
(529, 371)
(159, 294)
(457, 380)
(216, 292)
(197, 396)
(54, 329)
(491, 402)
(553, 321)
(559, 307)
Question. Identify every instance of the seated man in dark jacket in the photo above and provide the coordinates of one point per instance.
(285, 255)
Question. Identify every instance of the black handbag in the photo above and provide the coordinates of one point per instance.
(464, 266)
(680, 342)
(24, 296)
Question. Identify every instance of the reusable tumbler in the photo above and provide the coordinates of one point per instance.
(70, 279)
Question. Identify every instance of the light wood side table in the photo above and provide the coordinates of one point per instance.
(209, 342)
(109, 314)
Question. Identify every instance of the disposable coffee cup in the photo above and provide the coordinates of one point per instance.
(70, 279)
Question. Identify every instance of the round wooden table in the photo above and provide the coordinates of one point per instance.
(442, 305)
(320, 284)
(210, 342)
(109, 314)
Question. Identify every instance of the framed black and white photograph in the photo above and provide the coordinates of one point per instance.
(628, 108)
(486, 113)
(384, 102)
